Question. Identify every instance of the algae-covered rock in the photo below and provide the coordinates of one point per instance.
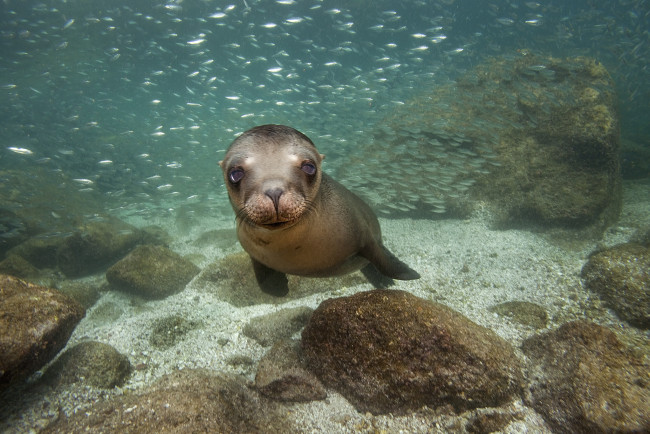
(282, 376)
(276, 326)
(389, 351)
(583, 380)
(621, 276)
(532, 139)
(152, 272)
(185, 401)
(15, 265)
(95, 245)
(85, 292)
(523, 312)
(170, 330)
(35, 323)
(92, 363)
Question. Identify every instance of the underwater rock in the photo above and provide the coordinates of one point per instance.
(35, 323)
(233, 279)
(275, 326)
(86, 292)
(183, 401)
(532, 139)
(152, 272)
(221, 238)
(583, 380)
(92, 363)
(281, 375)
(169, 330)
(95, 245)
(523, 312)
(37, 201)
(621, 276)
(39, 251)
(388, 351)
(17, 266)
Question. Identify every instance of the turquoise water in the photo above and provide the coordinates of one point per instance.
(137, 101)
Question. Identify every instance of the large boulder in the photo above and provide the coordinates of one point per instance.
(152, 272)
(389, 351)
(35, 323)
(185, 401)
(621, 276)
(533, 139)
(583, 380)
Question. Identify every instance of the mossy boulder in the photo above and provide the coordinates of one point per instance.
(170, 330)
(523, 312)
(183, 401)
(532, 139)
(90, 363)
(95, 245)
(151, 272)
(621, 277)
(388, 351)
(583, 380)
(35, 324)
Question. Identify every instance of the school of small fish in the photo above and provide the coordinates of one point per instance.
(138, 100)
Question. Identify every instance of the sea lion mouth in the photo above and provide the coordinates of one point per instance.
(276, 225)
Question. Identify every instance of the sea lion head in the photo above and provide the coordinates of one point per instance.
(273, 174)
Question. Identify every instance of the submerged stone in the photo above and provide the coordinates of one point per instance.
(92, 363)
(523, 312)
(151, 272)
(388, 351)
(621, 277)
(583, 380)
(170, 330)
(35, 323)
(184, 401)
(532, 146)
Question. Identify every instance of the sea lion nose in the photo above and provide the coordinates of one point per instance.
(274, 194)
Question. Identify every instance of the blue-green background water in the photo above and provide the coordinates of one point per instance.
(137, 100)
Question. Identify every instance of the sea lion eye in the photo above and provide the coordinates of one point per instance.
(235, 175)
(309, 168)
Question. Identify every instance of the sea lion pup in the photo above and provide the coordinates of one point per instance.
(294, 219)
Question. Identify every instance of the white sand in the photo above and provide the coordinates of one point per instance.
(464, 264)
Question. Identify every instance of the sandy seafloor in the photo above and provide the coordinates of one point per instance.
(464, 264)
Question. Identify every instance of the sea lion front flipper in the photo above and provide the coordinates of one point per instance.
(271, 281)
(388, 264)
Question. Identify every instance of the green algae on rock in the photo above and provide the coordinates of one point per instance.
(388, 351)
(170, 330)
(35, 324)
(183, 401)
(93, 363)
(620, 275)
(523, 312)
(532, 138)
(583, 380)
(151, 272)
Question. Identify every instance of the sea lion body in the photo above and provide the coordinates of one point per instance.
(294, 219)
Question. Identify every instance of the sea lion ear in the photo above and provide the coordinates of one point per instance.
(221, 163)
(322, 157)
